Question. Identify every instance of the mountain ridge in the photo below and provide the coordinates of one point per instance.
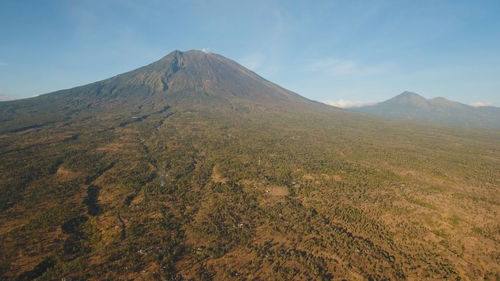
(412, 106)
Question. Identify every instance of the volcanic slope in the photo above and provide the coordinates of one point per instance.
(195, 168)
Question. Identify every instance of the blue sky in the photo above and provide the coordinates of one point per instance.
(358, 51)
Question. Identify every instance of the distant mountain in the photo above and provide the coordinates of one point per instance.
(412, 106)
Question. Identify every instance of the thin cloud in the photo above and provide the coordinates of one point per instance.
(347, 103)
(333, 67)
(480, 103)
(252, 61)
(340, 67)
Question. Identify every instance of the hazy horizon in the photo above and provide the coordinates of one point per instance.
(338, 51)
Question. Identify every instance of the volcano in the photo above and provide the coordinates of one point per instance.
(179, 81)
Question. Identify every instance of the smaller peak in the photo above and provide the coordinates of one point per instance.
(443, 102)
(409, 94)
(408, 97)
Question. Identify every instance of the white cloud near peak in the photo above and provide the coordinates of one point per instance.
(347, 103)
(479, 103)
